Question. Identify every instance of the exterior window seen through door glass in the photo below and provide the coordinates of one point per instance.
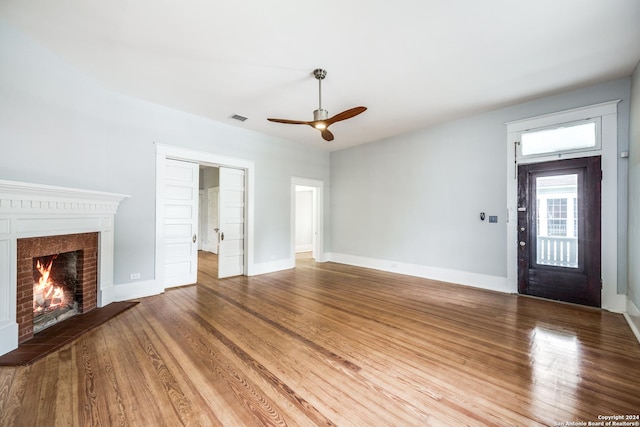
(557, 217)
(557, 220)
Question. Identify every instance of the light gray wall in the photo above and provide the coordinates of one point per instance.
(59, 127)
(634, 190)
(416, 198)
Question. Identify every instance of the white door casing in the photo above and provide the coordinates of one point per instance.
(181, 199)
(231, 214)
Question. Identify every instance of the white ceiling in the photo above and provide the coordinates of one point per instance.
(412, 63)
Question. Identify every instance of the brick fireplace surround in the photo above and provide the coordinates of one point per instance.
(33, 213)
(28, 249)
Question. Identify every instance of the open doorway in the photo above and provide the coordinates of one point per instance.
(209, 224)
(305, 221)
(306, 214)
(208, 219)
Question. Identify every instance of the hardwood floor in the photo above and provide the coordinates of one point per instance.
(57, 336)
(329, 344)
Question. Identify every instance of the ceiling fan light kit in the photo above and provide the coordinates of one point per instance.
(321, 120)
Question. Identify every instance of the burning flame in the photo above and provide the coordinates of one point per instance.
(46, 294)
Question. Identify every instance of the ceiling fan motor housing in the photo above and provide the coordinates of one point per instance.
(320, 114)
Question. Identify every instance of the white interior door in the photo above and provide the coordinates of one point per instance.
(181, 199)
(231, 216)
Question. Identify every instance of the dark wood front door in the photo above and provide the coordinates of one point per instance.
(559, 254)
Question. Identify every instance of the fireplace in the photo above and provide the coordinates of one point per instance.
(54, 288)
(42, 222)
(57, 278)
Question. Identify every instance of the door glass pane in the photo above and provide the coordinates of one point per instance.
(557, 220)
(567, 138)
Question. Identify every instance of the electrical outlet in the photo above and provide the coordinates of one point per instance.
(134, 276)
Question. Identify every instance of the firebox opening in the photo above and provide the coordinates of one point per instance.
(55, 288)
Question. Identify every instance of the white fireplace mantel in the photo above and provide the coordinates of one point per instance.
(36, 210)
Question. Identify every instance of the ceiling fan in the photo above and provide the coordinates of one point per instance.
(321, 119)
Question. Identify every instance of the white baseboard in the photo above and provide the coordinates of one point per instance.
(633, 318)
(106, 295)
(272, 266)
(615, 303)
(323, 257)
(134, 290)
(477, 280)
(8, 337)
(304, 248)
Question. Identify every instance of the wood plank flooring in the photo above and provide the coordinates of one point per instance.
(329, 344)
(60, 334)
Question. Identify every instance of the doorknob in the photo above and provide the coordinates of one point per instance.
(194, 238)
(523, 244)
(216, 229)
(222, 236)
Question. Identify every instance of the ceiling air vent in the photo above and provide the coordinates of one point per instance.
(238, 117)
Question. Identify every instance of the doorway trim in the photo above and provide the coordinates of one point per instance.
(164, 152)
(318, 185)
(607, 111)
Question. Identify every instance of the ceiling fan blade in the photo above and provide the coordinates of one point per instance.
(347, 114)
(326, 134)
(289, 122)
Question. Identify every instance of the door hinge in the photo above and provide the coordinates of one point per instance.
(601, 175)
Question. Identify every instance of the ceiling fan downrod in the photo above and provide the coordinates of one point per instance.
(320, 113)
